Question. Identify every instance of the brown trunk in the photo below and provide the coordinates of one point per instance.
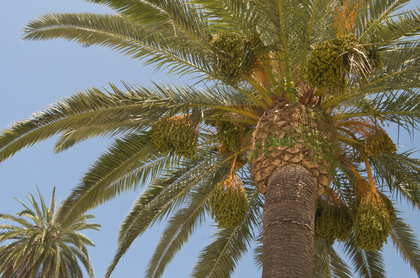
(289, 212)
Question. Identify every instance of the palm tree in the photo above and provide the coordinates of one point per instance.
(39, 246)
(295, 94)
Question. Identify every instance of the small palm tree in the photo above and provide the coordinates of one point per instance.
(291, 121)
(37, 245)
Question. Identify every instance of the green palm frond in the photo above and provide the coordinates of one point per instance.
(400, 173)
(84, 111)
(179, 229)
(278, 12)
(142, 11)
(402, 56)
(383, 9)
(164, 194)
(338, 266)
(313, 31)
(78, 110)
(322, 266)
(138, 108)
(182, 225)
(128, 163)
(405, 240)
(401, 108)
(368, 264)
(327, 263)
(156, 44)
(258, 251)
(391, 30)
(373, 13)
(18, 220)
(306, 23)
(182, 14)
(231, 15)
(397, 78)
(220, 257)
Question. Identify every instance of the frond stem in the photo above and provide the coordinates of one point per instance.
(369, 171)
(284, 41)
(263, 93)
(353, 93)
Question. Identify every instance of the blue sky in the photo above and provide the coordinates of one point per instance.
(36, 74)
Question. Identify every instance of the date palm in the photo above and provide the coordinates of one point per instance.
(299, 89)
(38, 246)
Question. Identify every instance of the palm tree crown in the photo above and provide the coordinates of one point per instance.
(288, 86)
(39, 246)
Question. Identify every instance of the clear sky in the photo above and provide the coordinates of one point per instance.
(36, 74)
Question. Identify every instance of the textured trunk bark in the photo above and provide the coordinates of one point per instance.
(289, 212)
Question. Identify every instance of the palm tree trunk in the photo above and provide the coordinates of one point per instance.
(289, 212)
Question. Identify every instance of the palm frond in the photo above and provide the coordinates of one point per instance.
(141, 11)
(19, 220)
(220, 257)
(231, 15)
(400, 173)
(398, 74)
(128, 163)
(327, 263)
(321, 262)
(374, 12)
(156, 44)
(183, 15)
(338, 266)
(164, 194)
(138, 108)
(401, 108)
(314, 30)
(258, 251)
(405, 240)
(180, 227)
(390, 30)
(399, 57)
(368, 264)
